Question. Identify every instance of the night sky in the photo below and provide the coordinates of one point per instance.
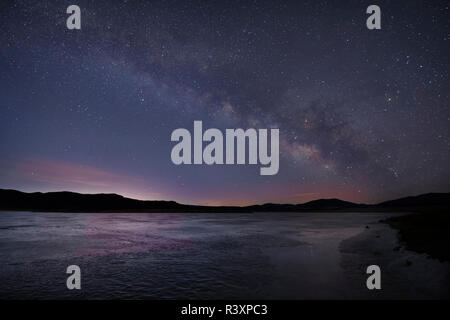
(363, 115)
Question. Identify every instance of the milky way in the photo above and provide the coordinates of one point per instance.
(363, 114)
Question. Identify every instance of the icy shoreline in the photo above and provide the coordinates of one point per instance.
(404, 274)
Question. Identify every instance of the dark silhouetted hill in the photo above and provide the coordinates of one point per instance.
(76, 202)
(315, 205)
(424, 200)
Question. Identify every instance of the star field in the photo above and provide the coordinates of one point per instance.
(363, 114)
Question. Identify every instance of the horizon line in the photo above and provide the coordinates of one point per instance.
(218, 206)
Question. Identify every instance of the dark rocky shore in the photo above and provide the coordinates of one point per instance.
(425, 232)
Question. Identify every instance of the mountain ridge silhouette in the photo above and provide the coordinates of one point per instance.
(67, 201)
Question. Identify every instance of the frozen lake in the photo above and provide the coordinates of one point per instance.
(207, 256)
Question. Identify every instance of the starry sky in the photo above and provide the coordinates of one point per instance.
(363, 114)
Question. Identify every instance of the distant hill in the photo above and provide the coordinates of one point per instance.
(315, 205)
(76, 202)
(429, 199)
